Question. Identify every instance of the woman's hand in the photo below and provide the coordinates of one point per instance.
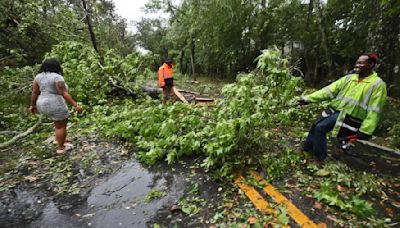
(78, 109)
(33, 109)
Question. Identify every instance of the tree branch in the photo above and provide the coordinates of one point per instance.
(8, 132)
(22, 135)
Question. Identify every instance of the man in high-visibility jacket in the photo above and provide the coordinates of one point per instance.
(165, 80)
(356, 101)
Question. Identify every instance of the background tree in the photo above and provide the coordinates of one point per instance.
(218, 38)
(29, 28)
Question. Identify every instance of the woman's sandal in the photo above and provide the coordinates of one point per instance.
(67, 147)
(66, 141)
(69, 144)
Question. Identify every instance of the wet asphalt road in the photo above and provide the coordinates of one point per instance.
(116, 200)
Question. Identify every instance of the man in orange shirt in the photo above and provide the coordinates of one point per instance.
(165, 80)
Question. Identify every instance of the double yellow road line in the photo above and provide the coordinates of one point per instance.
(261, 204)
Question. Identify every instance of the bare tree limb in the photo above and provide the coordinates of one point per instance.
(90, 26)
(7, 57)
(128, 91)
(22, 135)
(8, 132)
(379, 147)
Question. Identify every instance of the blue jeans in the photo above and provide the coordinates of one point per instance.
(316, 139)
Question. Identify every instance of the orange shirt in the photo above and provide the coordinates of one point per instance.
(164, 72)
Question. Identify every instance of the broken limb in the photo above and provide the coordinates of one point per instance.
(179, 95)
(22, 135)
(8, 132)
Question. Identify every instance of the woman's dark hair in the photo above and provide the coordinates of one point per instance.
(51, 65)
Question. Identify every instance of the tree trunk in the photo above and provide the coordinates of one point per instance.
(324, 42)
(181, 56)
(164, 54)
(308, 44)
(151, 91)
(263, 3)
(310, 10)
(315, 73)
(90, 26)
(192, 62)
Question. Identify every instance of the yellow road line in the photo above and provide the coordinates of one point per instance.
(254, 196)
(293, 211)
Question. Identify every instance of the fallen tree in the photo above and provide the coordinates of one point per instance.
(151, 91)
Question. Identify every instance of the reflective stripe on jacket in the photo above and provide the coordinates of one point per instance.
(164, 72)
(360, 99)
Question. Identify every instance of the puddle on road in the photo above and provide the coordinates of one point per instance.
(116, 200)
(113, 200)
(119, 200)
(21, 205)
(53, 217)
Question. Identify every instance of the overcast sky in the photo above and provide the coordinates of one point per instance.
(131, 10)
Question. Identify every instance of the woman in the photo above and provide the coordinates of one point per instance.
(49, 93)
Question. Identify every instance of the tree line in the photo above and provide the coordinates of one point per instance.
(218, 38)
(222, 37)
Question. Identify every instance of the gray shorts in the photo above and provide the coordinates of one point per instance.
(53, 106)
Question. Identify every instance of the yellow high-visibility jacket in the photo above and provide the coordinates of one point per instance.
(360, 99)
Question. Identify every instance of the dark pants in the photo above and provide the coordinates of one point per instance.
(316, 139)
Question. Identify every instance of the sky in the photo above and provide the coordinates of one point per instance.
(131, 10)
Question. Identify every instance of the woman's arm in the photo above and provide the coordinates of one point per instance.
(62, 90)
(34, 96)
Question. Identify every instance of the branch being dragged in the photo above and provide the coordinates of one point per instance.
(22, 135)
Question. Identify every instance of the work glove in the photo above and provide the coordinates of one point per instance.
(301, 101)
(362, 136)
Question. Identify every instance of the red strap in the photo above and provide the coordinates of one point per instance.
(352, 138)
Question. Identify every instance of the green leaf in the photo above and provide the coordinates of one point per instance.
(282, 216)
(322, 173)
